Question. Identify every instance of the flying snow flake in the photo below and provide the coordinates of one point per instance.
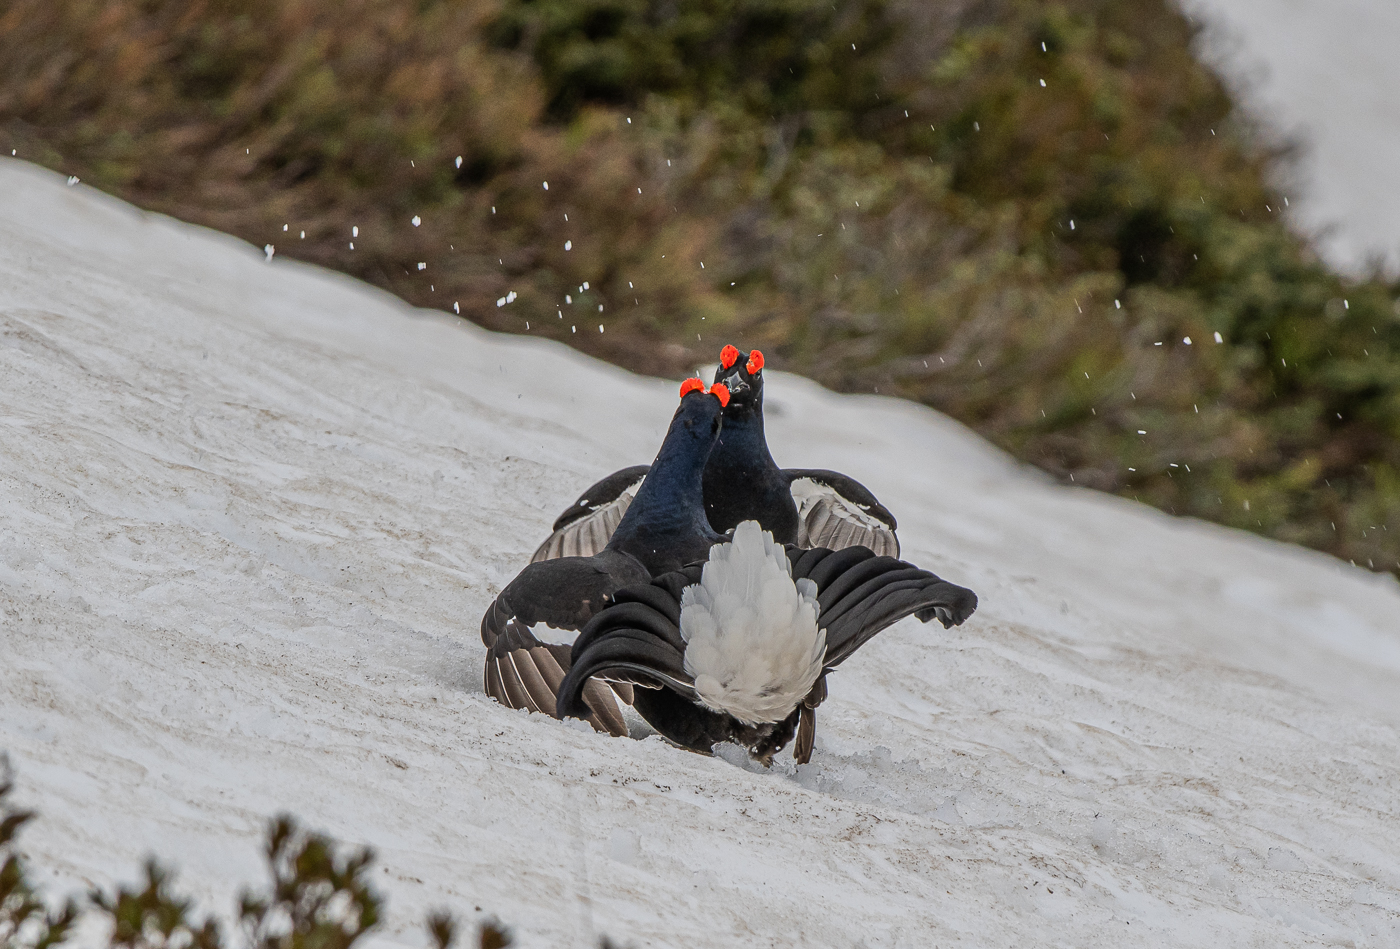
(285, 226)
(600, 308)
(352, 245)
(510, 297)
(584, 286)
(1042, 83)
(456, 309)
(1218, 337)
(303, 235)
(629, 285)
(1142, 432)
(417, 220)
(574, 329)
(1117, 305)
(72, 179)
(422, 265)
(269, 250)
(459, 161)
(355, 231)
(568, 298)
(546, 186)
(1186, 340)
(568, 245)
(500, 301)
(600, 327)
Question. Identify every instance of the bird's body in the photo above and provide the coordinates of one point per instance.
(738, 649)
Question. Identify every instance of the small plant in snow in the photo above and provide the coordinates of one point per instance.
(25, 921)
(320, 898)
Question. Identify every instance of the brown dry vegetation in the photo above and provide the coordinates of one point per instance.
(880, 193)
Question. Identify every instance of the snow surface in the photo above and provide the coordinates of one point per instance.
(1324, 73)
(251, 513)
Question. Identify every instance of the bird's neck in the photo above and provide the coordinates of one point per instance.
(742, 481)
(665, 526)
(743, 446)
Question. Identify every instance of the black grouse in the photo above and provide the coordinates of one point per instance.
(663, 530)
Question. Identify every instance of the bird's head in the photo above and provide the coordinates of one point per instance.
(702, 407)
(744, 378)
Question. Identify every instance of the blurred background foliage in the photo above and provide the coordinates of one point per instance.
(1048, 220)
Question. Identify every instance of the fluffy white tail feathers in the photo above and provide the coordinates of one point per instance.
(753, 647)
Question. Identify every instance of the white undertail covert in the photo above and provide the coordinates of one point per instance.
(753, 647)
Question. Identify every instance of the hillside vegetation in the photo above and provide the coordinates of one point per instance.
(1045, 219)
(322, 897)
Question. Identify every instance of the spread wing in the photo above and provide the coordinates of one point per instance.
(585, 528)
(861, 593)
(835, 511)
(523, 672)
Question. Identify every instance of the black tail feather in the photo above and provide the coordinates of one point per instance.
(630, 641)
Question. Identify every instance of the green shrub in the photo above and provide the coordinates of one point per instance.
(320, 898)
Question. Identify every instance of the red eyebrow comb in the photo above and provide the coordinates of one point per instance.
(755, 362)
(720, 391)
(728, 356)
(691, 385)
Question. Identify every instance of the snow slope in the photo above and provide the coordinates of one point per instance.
(1324, 74)
(250, 515)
